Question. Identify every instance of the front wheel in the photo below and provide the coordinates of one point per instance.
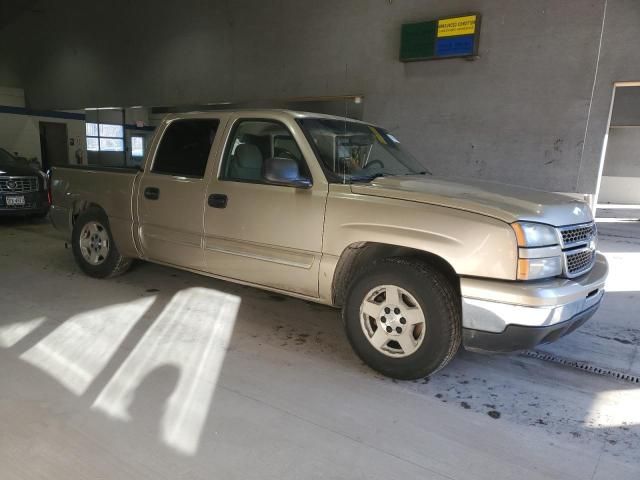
(402, 318)
(94, 250)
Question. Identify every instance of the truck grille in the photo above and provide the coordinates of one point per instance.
(578, 248)
(580, 261)
(577, 234)
(18, 184)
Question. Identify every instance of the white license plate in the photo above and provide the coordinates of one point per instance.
(17, 201)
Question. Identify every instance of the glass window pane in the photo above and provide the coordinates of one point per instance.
(92, 144)
(358, 151)
(184, 149)
(285, 146)
(137, 147)
(113, 131)
(92, 129)
(111, 145)
(253, 142)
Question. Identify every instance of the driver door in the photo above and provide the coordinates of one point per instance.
(256, 232)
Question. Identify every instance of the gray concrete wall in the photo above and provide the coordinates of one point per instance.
(518, 114)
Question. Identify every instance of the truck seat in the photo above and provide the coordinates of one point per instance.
(246, 163)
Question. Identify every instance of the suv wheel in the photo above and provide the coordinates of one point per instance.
(402, 318)
(93, 247)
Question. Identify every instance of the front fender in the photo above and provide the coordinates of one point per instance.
(473, 244)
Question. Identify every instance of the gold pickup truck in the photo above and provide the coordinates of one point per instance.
(336, 211)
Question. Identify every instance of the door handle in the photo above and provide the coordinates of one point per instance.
(152, 193)
(217, 200)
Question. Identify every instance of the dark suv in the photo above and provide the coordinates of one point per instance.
(23, 190)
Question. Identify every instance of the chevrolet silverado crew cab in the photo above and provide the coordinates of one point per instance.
(336, 211)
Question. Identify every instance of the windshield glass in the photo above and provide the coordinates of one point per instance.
(358, 152)
(6, 158)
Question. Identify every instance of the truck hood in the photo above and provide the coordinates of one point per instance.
(505, 202)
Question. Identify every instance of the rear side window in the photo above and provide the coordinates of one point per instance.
(184, 148)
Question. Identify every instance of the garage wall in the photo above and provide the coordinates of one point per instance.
(20, 130)
(11, 97)
(518, 114)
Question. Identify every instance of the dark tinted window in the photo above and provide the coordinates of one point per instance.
(184, 148)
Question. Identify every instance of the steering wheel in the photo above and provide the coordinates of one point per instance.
(282, 153)
(374, 162)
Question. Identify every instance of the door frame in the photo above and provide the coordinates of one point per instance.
(603, 152)
(42, 127)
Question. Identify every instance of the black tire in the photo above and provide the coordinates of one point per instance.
(440, 304)
(114, 264)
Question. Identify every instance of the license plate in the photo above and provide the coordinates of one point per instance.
(17, 201)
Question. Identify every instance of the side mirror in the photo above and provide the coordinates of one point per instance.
(285, 172)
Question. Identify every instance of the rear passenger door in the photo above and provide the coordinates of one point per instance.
(261, 233)
(171, 192)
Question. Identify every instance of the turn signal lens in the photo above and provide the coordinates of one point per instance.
(538, 268)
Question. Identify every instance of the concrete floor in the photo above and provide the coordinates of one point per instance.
(161, 374)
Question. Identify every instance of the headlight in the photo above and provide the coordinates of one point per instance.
(535, 234)
(539, 252)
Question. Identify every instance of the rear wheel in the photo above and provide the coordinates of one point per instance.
(402, 318)
(93, 247)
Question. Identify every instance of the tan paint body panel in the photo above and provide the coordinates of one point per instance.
(508, 203)
(473, 244)
(73, 187)
(167, 234)
(170, 229)
(291, 240)
(267, 235)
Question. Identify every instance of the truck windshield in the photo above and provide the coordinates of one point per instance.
(358, 152)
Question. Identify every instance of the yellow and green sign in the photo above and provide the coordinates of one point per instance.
(443, 38)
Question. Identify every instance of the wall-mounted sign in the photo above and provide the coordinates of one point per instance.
(443, 38)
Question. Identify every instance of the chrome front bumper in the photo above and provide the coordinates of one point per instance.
(528, 313)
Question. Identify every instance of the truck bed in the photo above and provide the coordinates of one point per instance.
(112, 188)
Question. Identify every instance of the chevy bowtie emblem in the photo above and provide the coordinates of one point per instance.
(11, 185)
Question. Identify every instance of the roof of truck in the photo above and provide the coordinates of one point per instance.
(253, 112)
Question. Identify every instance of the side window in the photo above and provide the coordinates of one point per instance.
(184, 148)
(254, 141)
